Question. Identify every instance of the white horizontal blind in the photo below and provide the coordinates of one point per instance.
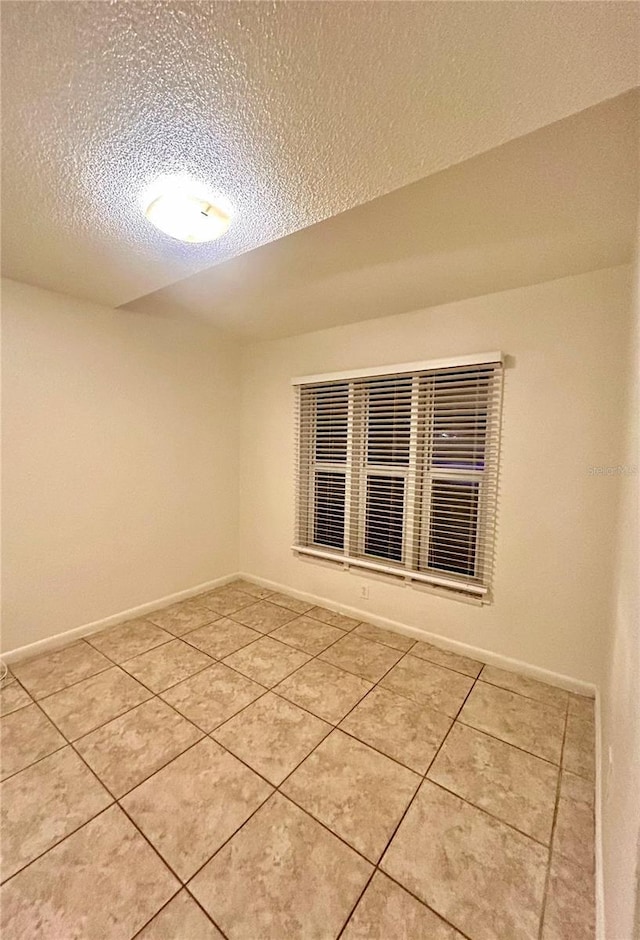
(398, 472)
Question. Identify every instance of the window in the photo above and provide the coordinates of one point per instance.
(397, 470)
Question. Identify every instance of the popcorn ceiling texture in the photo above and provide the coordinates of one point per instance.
(296, 111)
(559, 201)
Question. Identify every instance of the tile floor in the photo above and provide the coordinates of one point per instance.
(245, 765)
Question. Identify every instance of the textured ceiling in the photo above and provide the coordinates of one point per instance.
(559, 201)
(297, 111)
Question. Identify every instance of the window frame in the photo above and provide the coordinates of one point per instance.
(419, 475)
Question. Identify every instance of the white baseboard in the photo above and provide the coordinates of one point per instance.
(60, 639)
(475, 652)
(493, 659)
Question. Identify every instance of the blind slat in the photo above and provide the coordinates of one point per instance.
(402, 468)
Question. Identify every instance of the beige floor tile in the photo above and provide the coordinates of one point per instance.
(212, 696)
(363, 658)
(281, 876)
(53, 671)
(13, 697)
(429, 685)
(442, 657)
(167, 665)
(324, 689)
(292, 603)
(221, 638)
(267, 661)
(129, 749)
(183, 617)
(226, 600)
(308, 635)
(194, 804)
(397, 641)
(333, 618)
(570, 907)
(25, 737)
(574, 834)
(250, 587)
(482, 876)
(43, 804)
(113, 884)
(579, 747)
(387, 912)
(181, 919)
(264, 617)
(400, 728)
(272, 736)
(517, 787)
(129, 639)
(582, 707)
(356, 792)
(523, 685)
(85, 706)
(521, 721)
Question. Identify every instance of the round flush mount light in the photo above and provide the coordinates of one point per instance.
(185, 209)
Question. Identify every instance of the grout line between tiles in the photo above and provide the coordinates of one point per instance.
(518, 747)
(545, 890)
(15, 681)
(406, 810)
(38, 761)
(117, 801)
(335, 727)
(64, 838)
(205, 912)
(92, 675)
(72, 685)
(91, 771)
(152, 695)
(494, 685)
(357, 902)
(85, 734)
(18, 709)
(166, 905)
(77, 828)
(424, 904)
(183, 679)
(115, 662)
(277, 788)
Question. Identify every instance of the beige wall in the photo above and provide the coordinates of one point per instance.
(562, 414)
(620, 691)
(120, 485)
(120, 460)
(120, 474)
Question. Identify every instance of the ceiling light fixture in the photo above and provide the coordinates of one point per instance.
(186, 209)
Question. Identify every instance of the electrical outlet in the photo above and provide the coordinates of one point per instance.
(364, 592)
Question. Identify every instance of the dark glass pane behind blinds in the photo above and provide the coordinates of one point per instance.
(460, 405)
(328, 513)
(389, 422)
(331, 413)
(454, 526)
(384, 519)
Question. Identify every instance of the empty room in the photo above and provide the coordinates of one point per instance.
(319, 407)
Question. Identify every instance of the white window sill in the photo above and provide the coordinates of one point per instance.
(446, 587)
